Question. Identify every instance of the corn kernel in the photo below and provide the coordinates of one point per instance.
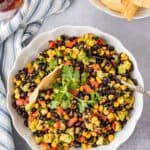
(120, 100)
(96, 106)
(66, 117)
(17, 95)
(44, 111)
(36, 105)
(123, 87)
(39, 127)
(49, 115)
(29, 65)
(111, 97)
(86, 97)
(37, 139)
(106, 112)
(37, 80)
(51, 53)
(101, 108)
(116, 104)
(110, 116)
(111, 137)
(98, 79)
(94, 134)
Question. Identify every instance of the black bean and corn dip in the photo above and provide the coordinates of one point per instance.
(87, 104)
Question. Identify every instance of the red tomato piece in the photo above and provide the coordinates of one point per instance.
(58, 124)
(81, 139)
(53, 148)
(72, 121)
(100, 41)
(52, 44)
(60, 111)
(87, 89)
(74, 92)
(44, 146)
(35, 114)
(20, 102)
(69, 44)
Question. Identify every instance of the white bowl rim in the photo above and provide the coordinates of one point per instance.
(75, 28)
(112, 13)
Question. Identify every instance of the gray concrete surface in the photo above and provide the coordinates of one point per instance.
(134, 35)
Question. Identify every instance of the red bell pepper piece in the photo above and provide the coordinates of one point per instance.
(52, 44)
(72, 121)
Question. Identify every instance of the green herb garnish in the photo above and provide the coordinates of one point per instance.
(84, 77)
(52, 64)
(70, 77)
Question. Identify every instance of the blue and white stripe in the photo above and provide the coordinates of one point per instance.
(15, 35)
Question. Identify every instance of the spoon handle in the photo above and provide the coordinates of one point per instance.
(137, 88)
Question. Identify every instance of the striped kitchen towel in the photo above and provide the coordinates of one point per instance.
(15, 35)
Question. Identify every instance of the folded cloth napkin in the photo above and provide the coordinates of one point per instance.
(15, 35)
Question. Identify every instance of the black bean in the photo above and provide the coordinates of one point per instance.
(14, 104)
(95, 47)
(72, 38)
(43, 118)
(59, 131)
(60, 43)
(111, 131)
(94, 145)
(84, 129)
(26, 122)
(111, 48)
(23, 95)
(105, 81)
(105, 135)
(79, 114)
(42, 66)
(68, 110)
(19, 111)
(77, 144)
(89, 70)
(78, 124)
(17, 76)
(44, 54)
(39, 133)
(80, 94)
(32, 89)
(63, 37)
(24, 115)
(33, 84)
(87, 111)
(33, 110)
(90, 140)
(55, 115)
(135, 81)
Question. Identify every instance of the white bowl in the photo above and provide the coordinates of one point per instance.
(143, 13)
(40, 43)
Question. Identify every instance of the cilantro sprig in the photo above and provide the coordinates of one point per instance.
(70, 77)
(83, 104)
(70, 80)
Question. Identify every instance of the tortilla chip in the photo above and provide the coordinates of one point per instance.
(143, 3)
(129, 9)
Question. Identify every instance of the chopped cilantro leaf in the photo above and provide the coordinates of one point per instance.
(52, 64)
(84, 77)
(70, 77)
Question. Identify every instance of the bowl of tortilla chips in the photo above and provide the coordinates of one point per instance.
(129, 9)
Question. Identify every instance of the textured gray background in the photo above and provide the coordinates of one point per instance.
(134, 35)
